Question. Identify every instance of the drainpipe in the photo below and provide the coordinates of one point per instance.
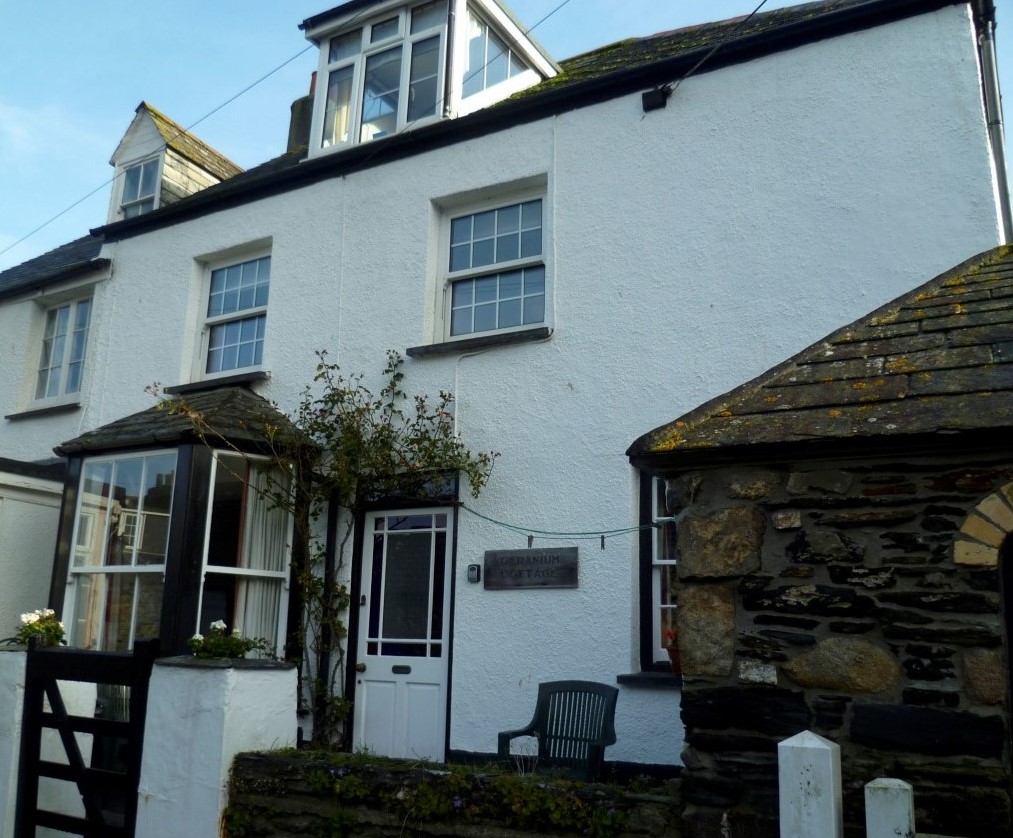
(993, 111)
(448, 76)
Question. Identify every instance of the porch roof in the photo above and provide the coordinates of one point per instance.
(227, 415)
(933, 362)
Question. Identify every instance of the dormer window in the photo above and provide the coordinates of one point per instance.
(402, 67)
(385, 75)
(139, 185)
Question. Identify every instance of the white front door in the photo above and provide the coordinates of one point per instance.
(403, 644)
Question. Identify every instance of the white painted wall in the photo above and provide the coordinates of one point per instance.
(201, 713)
(29, 516)
(689, 249)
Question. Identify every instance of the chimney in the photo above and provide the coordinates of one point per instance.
(299, 124)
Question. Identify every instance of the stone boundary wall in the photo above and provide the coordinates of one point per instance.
(825, 596)
(315, 794)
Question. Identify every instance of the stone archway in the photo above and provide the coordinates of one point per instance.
(985, 539)
(985, 529)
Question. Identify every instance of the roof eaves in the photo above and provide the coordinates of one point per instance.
(65, 274)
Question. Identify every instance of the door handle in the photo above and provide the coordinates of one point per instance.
(360, 667)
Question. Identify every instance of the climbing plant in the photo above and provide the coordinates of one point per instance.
(345, 444)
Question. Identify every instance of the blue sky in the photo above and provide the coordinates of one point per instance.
(72, 73)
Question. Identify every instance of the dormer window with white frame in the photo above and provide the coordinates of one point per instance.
(384, 75)
(400, 65)
(140, 188)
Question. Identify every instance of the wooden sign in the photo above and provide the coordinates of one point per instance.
(546, 567)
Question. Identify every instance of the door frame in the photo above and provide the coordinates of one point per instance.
(448, 497)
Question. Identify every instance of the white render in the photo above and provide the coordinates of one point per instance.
(29, 516)
(199, 717)
(687, 250)
(12, 707)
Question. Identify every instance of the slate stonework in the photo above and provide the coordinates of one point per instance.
(825, 596)
(720, 544)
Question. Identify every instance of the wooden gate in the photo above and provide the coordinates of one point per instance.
(108, 777)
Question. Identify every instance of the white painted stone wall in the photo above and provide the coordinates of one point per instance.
(29, 516)
(688, 250)
(200, 715)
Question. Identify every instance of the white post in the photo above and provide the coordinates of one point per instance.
(12, 705)
(809, 781)
(889, 809)
(201, 713)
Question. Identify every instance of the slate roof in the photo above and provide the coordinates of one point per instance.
(234, 413)
(935, 361)
(65, 262)
(190, 146)
(628, 66)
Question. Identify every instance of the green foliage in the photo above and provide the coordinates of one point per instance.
(219, 643)
(43, 624)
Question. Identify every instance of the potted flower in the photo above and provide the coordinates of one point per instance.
(42, 624)
(672, 647)
(220, 643)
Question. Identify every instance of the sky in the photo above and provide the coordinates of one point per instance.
(73, 72)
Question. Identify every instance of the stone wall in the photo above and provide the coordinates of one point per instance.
(278, 795)
(825, 596)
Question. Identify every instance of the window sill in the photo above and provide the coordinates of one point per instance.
(242, 378)
(480, 342)
(651, 679)
(48, 410)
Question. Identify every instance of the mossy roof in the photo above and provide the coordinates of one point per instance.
(639, 52)
(191, 147)
(935, 361)
(233, 414)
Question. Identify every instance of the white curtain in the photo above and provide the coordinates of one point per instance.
(264, 548)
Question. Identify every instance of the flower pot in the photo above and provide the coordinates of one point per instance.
(673, 659)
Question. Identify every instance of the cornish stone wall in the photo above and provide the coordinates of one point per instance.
(825, 596)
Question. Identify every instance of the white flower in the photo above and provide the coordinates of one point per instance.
(28, 619)
(218, 625)
(46, 612)
(198, 637)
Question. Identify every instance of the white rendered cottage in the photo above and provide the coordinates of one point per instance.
(550, 259)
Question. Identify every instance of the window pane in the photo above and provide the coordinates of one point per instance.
(485, 289)
(508, 219)
(460, 230)
(344, 46)
(338, 108)
(460, 322)
(483, 252)
(534, 310)
(380, 94)
(460, 257)
(150, 587)
(509, 313)
(383, 29)
(485, 225)
(131, 184)
(464, 292)
(534, 281)
(485, 317)
(90, 526)
(429, 15)
(510, 285)
(496, 62)
(507, 248)
(149, 172)
(423, 80)
(406, 585)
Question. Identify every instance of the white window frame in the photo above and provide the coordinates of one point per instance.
(404, 38)
(446, 278)
(86, 537)
(51, 308)
(124, 205)
(208, 322)
(664, 532)
(283, 576)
